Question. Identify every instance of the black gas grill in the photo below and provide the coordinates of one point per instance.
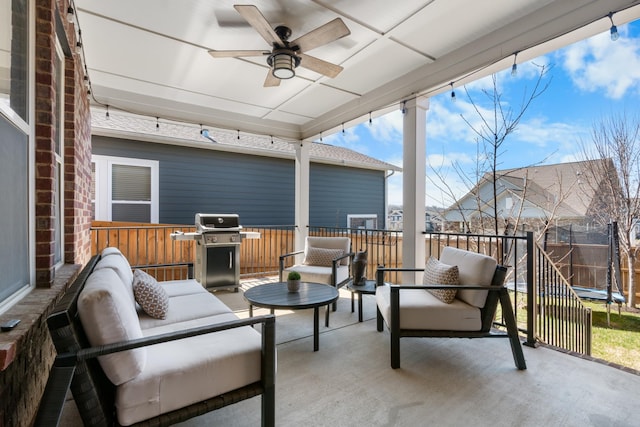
(218, 250)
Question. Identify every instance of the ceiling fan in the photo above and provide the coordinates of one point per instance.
(286, 55)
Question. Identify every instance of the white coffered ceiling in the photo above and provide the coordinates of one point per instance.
(150, 56)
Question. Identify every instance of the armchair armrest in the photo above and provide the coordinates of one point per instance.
(334, 268)
(282, 258)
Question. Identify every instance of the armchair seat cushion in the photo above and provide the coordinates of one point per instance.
(318, 274)
(420, 310)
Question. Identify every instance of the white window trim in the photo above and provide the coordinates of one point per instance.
(103, 184)
(359, 216)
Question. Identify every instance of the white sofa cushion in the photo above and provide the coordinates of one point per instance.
(438, 273)
(183, 372)
(152, 297)
(119, 264)
(108, 316)
(422, 310)
(185, 307)
(182, 287)
(474, 269)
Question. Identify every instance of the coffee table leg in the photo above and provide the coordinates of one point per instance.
(359, 307)
(316, 328)
(250, 310)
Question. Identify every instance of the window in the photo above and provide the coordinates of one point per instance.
(362, 221)
(125, 189)
(16, 146)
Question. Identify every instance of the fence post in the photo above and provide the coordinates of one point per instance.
(532, 293)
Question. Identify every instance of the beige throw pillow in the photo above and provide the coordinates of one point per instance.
(153, 299)
(321, 256)
(437, 273)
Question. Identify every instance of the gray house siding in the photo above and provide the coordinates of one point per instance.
(338, 191)
(259, 189)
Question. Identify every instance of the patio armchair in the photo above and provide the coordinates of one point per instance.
(458, 299)
(326, 260)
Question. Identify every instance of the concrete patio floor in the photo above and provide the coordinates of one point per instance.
(349, 382)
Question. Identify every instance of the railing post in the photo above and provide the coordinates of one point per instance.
(532, 293)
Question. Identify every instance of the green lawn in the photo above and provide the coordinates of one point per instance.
(618, 342)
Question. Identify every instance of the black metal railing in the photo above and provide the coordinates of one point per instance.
(562, 319)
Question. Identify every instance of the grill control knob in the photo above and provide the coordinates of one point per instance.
(233, 238)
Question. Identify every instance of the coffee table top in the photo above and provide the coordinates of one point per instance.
(276, 295)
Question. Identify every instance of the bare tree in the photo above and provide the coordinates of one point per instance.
(491, 133)
(616, 141)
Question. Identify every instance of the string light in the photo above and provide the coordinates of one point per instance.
(157, 123)
(614, 30)
(271, 139)
(453, 93)
(238, 134)
(70, 14)
(514, 67)
(342, 129)
(370, 121)
(320, 136)
(403, 109)
(107, 113)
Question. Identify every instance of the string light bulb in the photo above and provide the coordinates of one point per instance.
(342, 129)
(453, 93)
(107, 113)
(157, 123)
(514, 67)
(370, 121)
(70, 14)
(238, 134)
(614, 30)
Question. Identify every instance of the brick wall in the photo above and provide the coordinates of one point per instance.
(26, 353)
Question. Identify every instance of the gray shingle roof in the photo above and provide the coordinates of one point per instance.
(128, 126)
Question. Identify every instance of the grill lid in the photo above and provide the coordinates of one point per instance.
(217, 222)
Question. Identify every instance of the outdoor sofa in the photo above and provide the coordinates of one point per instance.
(150, 370)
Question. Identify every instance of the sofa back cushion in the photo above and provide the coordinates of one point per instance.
(343, 243)
(108, 316)
(474, 269)
(118, 263)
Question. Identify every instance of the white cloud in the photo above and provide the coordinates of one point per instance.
(542, 133)
(599, 64)
(387, 128)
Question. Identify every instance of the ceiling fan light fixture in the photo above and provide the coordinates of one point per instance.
(283, 64)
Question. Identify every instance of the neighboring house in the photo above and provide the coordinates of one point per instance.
(432, 221)
(565, 193)
(167, 174)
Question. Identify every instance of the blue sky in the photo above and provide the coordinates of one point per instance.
(588, 80)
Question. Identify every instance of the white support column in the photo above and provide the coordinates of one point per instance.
(302, 194)
(413, 186)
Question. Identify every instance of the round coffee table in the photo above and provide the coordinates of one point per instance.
(311, 295)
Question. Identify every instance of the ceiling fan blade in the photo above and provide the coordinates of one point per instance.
(271, 80)
(322, 35)
(257, 20)
(319, 66)
(237, 53)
